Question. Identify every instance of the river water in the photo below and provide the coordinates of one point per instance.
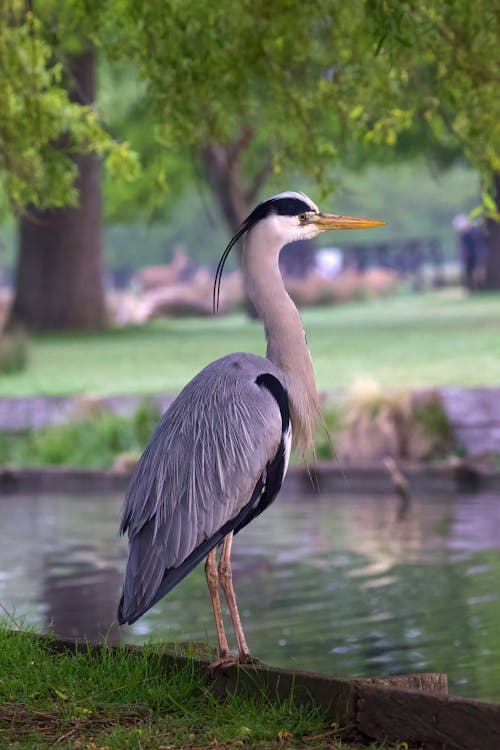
(351, 585)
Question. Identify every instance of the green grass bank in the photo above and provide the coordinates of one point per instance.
(435, 338)
(115, 699)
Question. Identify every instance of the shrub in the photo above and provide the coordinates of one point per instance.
(91, 443)
(13, 352)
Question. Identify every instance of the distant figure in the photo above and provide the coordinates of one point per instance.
(473, 252)
(148, 278)
(329, 262)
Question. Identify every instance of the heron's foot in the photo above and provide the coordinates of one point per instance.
(249, 659)
(225, 660)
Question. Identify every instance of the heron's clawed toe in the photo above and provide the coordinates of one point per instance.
(224, 661)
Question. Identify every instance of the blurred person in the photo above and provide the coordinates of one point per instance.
(473, 252)
(329, 262)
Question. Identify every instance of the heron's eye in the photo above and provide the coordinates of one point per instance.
(302, 218)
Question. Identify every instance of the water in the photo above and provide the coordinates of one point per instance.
(340, 584)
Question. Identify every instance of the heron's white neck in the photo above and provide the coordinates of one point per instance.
(286, 341)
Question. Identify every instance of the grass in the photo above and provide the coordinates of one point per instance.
(116, 700)
(436, 338)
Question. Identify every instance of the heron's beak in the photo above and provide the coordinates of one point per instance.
(334, 221)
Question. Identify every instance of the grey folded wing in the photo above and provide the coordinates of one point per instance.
(198, 471)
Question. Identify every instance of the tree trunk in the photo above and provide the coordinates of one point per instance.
(493, 239)
(222, 171)
(59, 281)
(221, 165)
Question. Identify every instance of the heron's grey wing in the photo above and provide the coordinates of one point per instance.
(198, 471)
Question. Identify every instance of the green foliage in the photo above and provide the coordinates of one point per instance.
(300, 92)
(442, 66)
(433, 420)
(40, 124)
(92, 443)
(13, 352)
(294, 91)
(163, 174)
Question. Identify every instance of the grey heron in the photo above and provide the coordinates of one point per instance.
(218, 457)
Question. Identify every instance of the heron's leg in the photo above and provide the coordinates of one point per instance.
(212, 577)
(226, 581)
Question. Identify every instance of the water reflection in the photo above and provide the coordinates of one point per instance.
(329, 583)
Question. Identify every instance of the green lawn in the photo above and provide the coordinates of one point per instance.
(117, 700)
(438, 338)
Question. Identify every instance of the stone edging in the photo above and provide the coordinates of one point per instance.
(473, 412)
(327, 477)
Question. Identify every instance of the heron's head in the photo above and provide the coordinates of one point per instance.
(287, 217)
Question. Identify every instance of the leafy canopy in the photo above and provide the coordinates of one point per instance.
(40, 125)
(306, 83)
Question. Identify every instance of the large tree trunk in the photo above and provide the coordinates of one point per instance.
(493, 239)
(60, 269)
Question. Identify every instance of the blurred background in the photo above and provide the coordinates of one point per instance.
(133, 142)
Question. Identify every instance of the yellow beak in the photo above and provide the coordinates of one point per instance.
(334, 221)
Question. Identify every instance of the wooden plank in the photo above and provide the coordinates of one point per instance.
(431, 683)
(335, 695)
(437, 721)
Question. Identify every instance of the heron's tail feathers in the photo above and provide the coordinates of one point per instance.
(136, 601)
(129, 610)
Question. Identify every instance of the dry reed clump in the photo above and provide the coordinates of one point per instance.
(376, 423)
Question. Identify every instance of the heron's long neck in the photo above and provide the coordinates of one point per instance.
(286, 341)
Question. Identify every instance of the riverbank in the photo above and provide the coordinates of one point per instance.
(326, 477)
(123, 698)
(73, 695)
(364, 425)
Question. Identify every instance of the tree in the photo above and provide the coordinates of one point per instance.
(49, 140)
(251, 88)
(442, 60)
(239, 87)
(60, 272)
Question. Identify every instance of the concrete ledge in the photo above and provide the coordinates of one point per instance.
(411, 708)
(59, 479)
(326, 477)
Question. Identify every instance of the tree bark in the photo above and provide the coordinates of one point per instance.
(493, 239)
(59, 281)
(222, 166)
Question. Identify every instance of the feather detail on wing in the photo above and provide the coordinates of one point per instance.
(198, 472)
